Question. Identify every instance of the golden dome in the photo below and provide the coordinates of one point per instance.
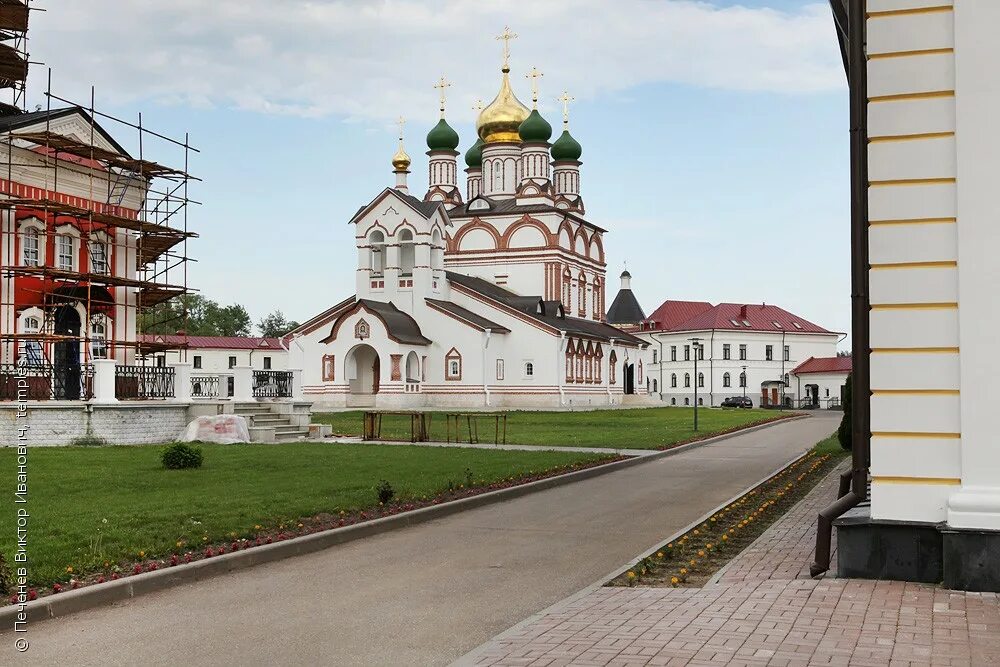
(499, 121)
(401, 161)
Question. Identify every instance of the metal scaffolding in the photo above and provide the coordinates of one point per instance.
(127, 215)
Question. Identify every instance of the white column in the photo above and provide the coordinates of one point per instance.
(243, 383)
(182, 381)
(104, 381)
(977, 96)
(297, 394)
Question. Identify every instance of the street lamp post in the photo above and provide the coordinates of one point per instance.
(695, 347)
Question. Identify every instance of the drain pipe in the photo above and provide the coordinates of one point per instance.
(560, 371)
(486, 386)
(852, 24)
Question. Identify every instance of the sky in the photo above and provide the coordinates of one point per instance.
(714, 133)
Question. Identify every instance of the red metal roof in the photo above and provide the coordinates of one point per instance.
(671, 313)
(730, 316)
(824, 365)
(215, 342)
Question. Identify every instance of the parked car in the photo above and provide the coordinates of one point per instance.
(737, 402)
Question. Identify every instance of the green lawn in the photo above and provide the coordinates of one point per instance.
(647, 428)
(90, 505)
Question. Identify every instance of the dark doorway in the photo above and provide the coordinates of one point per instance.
(629, 383)
(66, 355)
(376, 372)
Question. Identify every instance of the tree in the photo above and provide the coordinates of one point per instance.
(844, 432)
(204, 318)
(275, 325)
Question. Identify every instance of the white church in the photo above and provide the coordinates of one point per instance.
(496, 299)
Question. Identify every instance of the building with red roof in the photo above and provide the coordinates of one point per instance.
(742, 349)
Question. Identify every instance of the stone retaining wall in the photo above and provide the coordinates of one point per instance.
(62, 422)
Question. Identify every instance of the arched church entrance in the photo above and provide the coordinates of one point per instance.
(66, 354)
(363, 370)
(628, 381)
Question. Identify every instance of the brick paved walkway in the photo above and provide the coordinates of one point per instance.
(764, 610)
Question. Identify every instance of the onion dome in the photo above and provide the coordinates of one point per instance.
(535, 128)
(401, 161)
(474, 156)
(500, 120)
(442, 137)
(566, 147)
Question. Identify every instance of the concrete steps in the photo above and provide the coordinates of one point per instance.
(274, 422)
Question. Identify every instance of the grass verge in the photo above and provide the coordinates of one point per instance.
(693, 558)
(106, 509)
(640, 428)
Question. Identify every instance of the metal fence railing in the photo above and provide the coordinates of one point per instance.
(46, 382)
(272, 384)
(144, 382)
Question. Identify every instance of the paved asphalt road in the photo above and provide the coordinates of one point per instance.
(423, 595)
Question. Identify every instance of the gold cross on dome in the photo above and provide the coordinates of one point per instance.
(401, 122)
(534, 75)
(441, 86)
(565, 99)
(506, 36)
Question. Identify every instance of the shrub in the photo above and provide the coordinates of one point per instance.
(385, 492)
(182, 455)
(6, 577)
(88, 441)
(844, 432)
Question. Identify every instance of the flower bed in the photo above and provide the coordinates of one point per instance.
(259, 535)
(692, 558)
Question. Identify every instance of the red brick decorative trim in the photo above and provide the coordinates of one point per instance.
(329, 368)
(396, 358)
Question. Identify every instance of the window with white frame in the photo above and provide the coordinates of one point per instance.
(30, 247)
(499, 369)
(743, 379)
(267, 363)
(654, 356)
(673, 379)
(98, 256)
(197, 361)
(701, 379)
(64, 252)
(788, 353)
(453, 365)
(743, 352)
(726, 352)
(687, 379)
(768, 353)
(98, 339)
(32, 348)
(725, 380)
(529, 369)
(673, 353)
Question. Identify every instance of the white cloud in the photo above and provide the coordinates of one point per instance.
(373, 60)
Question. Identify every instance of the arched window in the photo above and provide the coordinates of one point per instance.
(598, 300)
(437, 249)
(743, 379)
(64, 252)
(725, 380)
(673, 379)
(567, 290)
(407, 253)
(612, 366)
(701, 379)
(581, 289)
(687, 401)
(701, 401)
(377, 242)
(655, 387)
(687, 379)
(29, 247)
(98, 256)
(98, 338)
(32, 348)
(570, 355)
(673, 401)
(786, 379)
(453, 365)
(529, 369)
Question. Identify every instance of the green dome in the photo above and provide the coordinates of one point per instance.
(566, 147)
(474, 156)
(442, 137)
(535, 128)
